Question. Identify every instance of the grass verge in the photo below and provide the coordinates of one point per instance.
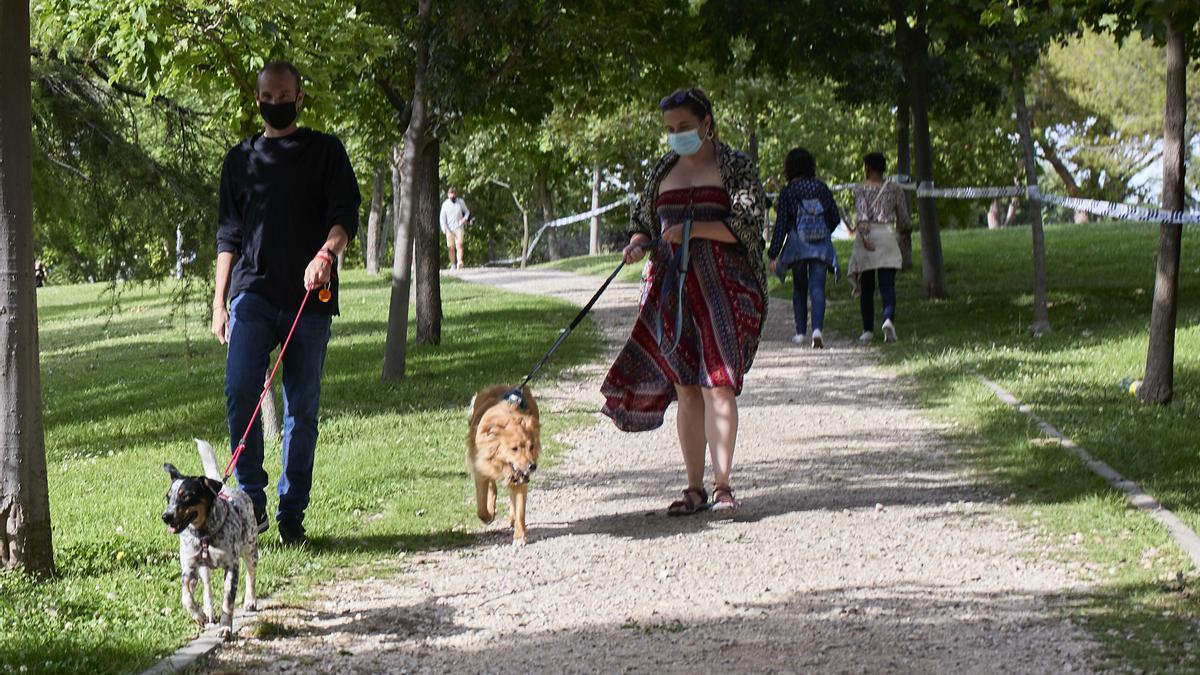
(1142, 606)
(126, 390)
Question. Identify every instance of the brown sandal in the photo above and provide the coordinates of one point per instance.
(695, 500)
(723, 498)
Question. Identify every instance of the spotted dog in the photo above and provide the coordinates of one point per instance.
(216, 528)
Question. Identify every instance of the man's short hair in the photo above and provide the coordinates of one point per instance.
(279, 68)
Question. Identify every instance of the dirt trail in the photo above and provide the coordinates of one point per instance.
(862, 546)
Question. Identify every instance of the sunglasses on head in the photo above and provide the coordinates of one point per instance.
(678, 99)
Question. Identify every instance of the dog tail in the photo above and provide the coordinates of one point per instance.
(208, 459)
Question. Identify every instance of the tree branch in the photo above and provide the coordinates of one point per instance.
(403, 108)
(95, 66)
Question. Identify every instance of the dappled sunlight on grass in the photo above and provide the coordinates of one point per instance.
(126, 388)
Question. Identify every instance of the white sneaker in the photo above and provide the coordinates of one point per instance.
(799, 338)
(867, 336)
(889, 331)
(817, 342)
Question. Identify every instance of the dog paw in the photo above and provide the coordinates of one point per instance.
(225, 632)
(200, 619)
(519, 541)
(250, 606)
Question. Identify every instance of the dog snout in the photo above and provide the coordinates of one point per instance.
(533, 467)
(168, 516)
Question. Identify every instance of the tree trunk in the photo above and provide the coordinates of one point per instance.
(753, 146)
(594, 239)
(547, 215)
(1064, 174)
(404, 196)
(1158, 383)
(403, 208)
(913, 44)
(903, 166)
(428, 247)
(374, 220)
(1041, 317)
(178, 252)
(25, 541)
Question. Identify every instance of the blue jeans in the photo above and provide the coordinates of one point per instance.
(887, 293)
(808, 281)
(255, 328)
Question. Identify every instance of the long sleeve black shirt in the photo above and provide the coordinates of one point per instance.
(280, 197)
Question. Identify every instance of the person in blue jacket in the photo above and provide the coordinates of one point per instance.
(805, 217)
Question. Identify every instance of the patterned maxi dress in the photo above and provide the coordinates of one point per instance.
(724, 301)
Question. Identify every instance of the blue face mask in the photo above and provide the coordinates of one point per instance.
(685, 142)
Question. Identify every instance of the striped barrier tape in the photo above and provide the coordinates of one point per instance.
(563, 222)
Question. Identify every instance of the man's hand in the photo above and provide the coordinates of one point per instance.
(635, 251)
(318, 272)
(772, 265)
(220, 323)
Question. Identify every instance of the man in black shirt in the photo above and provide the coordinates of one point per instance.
(288, 208)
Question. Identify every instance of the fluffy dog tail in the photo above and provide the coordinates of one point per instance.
(208, 459)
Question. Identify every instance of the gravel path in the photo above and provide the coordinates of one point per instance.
(863, 546)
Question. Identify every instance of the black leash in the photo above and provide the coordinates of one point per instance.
(516, 394)
(678, 267)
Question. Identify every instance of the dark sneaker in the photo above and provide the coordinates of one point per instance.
(260, 519)
(291, 533)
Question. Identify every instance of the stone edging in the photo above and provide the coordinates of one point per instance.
(1183, 535)
(203, 645)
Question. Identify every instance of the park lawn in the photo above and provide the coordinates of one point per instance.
(126, 390)
(597, 265)
(1100, 281)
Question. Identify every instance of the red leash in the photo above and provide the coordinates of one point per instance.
(324, 295)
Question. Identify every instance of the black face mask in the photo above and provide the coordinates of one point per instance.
(278, 116)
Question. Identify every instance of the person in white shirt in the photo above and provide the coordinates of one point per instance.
(454, 218)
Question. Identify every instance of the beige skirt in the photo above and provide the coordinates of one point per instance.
(886, 254)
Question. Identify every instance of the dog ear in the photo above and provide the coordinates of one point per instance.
(214, 485)
(488, 429)
(172, 471)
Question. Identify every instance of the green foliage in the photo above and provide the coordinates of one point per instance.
(115, 178)
(125, 392)
(1100, 104)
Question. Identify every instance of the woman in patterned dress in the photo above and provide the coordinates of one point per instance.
(701, 361)
(881, 215)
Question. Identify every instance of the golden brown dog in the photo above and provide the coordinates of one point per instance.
(503, 446)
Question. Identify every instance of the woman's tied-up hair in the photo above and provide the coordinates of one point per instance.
(875, 162)
(695, 100)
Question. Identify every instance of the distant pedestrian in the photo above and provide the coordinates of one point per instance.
(805, 217)
(454, 218)
(881, 213)
(40, 274)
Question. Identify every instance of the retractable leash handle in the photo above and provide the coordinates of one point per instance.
(516, 395)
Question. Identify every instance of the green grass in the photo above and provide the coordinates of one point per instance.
(1100, 279)
(125, 391)
(597, 265)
